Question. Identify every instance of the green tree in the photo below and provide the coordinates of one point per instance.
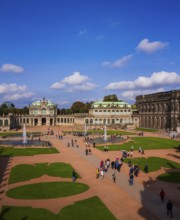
(80, 107)
(133, 106)
(77, 106)
(111, 98)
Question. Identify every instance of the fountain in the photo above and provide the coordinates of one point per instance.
(24, 135)
(85, 129)
(17, 140)
(104, 139)
(105, 133)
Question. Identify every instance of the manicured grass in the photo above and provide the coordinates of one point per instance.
(109, 132)
(25, 172)
(172, 177)
(146, 129)
(89, 209)
(147, 143)
(154, 163)
(18, 134)
(13, 151)
(47, 190)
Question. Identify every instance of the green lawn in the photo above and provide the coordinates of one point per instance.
(47, 190)
(109, 132)
(25, 172)
(18, 133)
(88, 209)
(173, 177)
(154, 163)
(146, 129)
(147, 143)
(13, 151)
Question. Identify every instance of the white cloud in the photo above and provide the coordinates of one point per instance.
(10, 88)
(18, 96)
(106, 63)
(74, 82)
(131, 94)
(118, 63)
(82, 32)
(11, 68)
(57, 85)
(75, 79)
(155, 80)
(11, 92)
(83, 87)
(150, 47)
(121, 62)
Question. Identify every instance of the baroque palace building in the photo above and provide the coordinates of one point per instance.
(159, 110)
(44, 112)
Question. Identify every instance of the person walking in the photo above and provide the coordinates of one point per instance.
(74, 176)
(162, 195)
(114, 176)
(169, 208)
(131, 179)
(97, 173)
(102, 174)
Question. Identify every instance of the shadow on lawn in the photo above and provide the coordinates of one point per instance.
(4, 171)
(4, 212)
(174, 155)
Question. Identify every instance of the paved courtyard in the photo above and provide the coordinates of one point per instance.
(140, 201)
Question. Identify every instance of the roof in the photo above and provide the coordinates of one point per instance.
(45, 102)
(119, 104)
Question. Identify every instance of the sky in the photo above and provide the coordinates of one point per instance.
(82, 50)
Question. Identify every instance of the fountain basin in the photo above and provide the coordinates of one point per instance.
(30, 143)
(101, 140)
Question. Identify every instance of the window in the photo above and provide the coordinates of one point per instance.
(6, 122)
(43, 111)
(36, 111)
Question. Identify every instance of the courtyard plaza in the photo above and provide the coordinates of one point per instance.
(125, 202)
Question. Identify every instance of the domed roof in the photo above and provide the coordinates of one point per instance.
(43, 102)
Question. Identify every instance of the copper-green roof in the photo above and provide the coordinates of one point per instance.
(119, 104)
(46, 102)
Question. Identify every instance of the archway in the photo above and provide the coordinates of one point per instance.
(35, 121)
(51, 121)
(43, 121)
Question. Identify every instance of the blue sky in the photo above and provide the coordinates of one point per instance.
(69, 50)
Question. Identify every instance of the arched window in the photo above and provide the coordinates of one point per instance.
(1, 122)
(6, 122)
(44, 111)
(35, 111)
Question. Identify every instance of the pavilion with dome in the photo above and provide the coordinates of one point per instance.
(44, 113)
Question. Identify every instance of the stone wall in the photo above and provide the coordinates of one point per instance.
(159, 110)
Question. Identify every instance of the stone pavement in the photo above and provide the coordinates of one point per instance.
(138, 192)
(125, 202)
